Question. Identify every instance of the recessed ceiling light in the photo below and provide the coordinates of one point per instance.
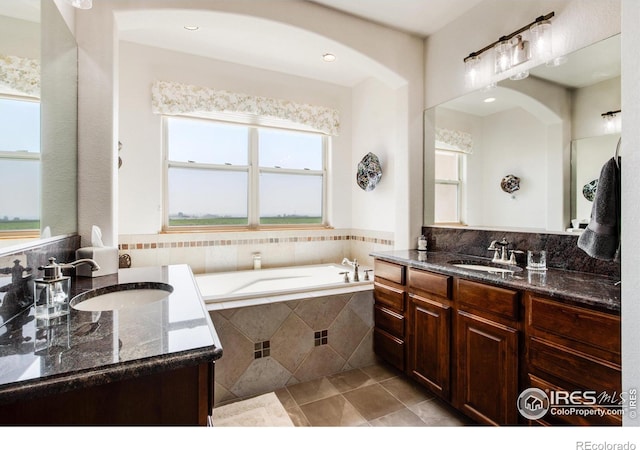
(328, 57)
(489, 100)
(191, 28)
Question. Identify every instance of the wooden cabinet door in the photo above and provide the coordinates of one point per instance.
(487, 372)
(429, 344)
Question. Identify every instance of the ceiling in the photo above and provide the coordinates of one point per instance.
(421, 17)
(274, 46)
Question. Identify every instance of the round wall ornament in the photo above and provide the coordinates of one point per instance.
(510, 184)
(369, 172)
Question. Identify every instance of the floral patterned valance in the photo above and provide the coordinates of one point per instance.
(19, 75)
(455, 140)
(176, 98)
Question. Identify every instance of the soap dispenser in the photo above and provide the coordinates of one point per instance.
(51, 293)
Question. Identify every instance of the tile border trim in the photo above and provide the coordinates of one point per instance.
(276, 240)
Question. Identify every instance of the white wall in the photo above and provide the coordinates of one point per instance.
(592, 101)
(19, 38)
(589, 156)
(374, 130)
(509, 142)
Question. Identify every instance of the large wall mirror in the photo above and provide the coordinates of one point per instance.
(518, 156)
(38, 123)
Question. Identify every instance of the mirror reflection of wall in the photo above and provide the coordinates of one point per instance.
(38, 122)
(588, 155)
(525, 128)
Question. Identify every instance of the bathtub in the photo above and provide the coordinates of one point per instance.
(251, 287)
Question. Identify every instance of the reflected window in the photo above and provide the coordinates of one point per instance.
(448, 186)
(20, 164)
(225, 174)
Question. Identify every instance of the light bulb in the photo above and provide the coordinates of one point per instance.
(502, 56)
(81, 4)
(541, 40)
(472, 71)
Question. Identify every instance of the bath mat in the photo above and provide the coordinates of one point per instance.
(262, 411)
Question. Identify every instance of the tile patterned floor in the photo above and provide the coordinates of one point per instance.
(373, 396)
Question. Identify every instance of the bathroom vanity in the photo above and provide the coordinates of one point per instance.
(152, 363)
(478, 339)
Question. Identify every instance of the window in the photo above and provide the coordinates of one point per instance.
(222, 174)
(448, 186)
(20, 164)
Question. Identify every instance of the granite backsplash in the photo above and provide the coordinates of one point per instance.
(562, 249)
(18, 269)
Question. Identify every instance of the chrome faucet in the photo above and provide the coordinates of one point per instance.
(500, 250)
(355, 265)
(53, 270)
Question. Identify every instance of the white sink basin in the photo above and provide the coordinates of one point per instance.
(121, 296)
(485, 267)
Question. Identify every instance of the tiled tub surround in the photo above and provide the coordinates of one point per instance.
(230, 251)
(562, 249)
(270, 346)
(89, 349)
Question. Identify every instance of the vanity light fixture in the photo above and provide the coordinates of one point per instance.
(612, 121)
(328, 57)
(510, 51)
(81, 4)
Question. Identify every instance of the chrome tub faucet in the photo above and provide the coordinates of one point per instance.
(355, 265)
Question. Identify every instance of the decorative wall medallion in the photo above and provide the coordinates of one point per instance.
(510, 184)
(369, 172)
(589, 190)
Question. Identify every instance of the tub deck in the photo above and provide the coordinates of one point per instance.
(252, 287)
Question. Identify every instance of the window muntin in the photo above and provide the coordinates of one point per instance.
(20, 164)
(245, 176)
(448, 186)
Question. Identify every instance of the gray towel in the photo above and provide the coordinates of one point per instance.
(601, 238)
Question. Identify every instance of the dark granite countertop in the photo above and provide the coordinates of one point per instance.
(581, 288)
(91, 348)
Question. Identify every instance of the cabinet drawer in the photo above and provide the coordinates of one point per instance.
(568, 322)
(389, 271)
(431, 283)
(576, 368)
(389, 296)
(389, 348)
(503, 302)
(389, 321)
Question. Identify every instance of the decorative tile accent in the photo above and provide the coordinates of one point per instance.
(320, 337)
(262, 349)
(251, 242)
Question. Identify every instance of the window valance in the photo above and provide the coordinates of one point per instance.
(455, 140)
(175, 98)
(19, 76)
